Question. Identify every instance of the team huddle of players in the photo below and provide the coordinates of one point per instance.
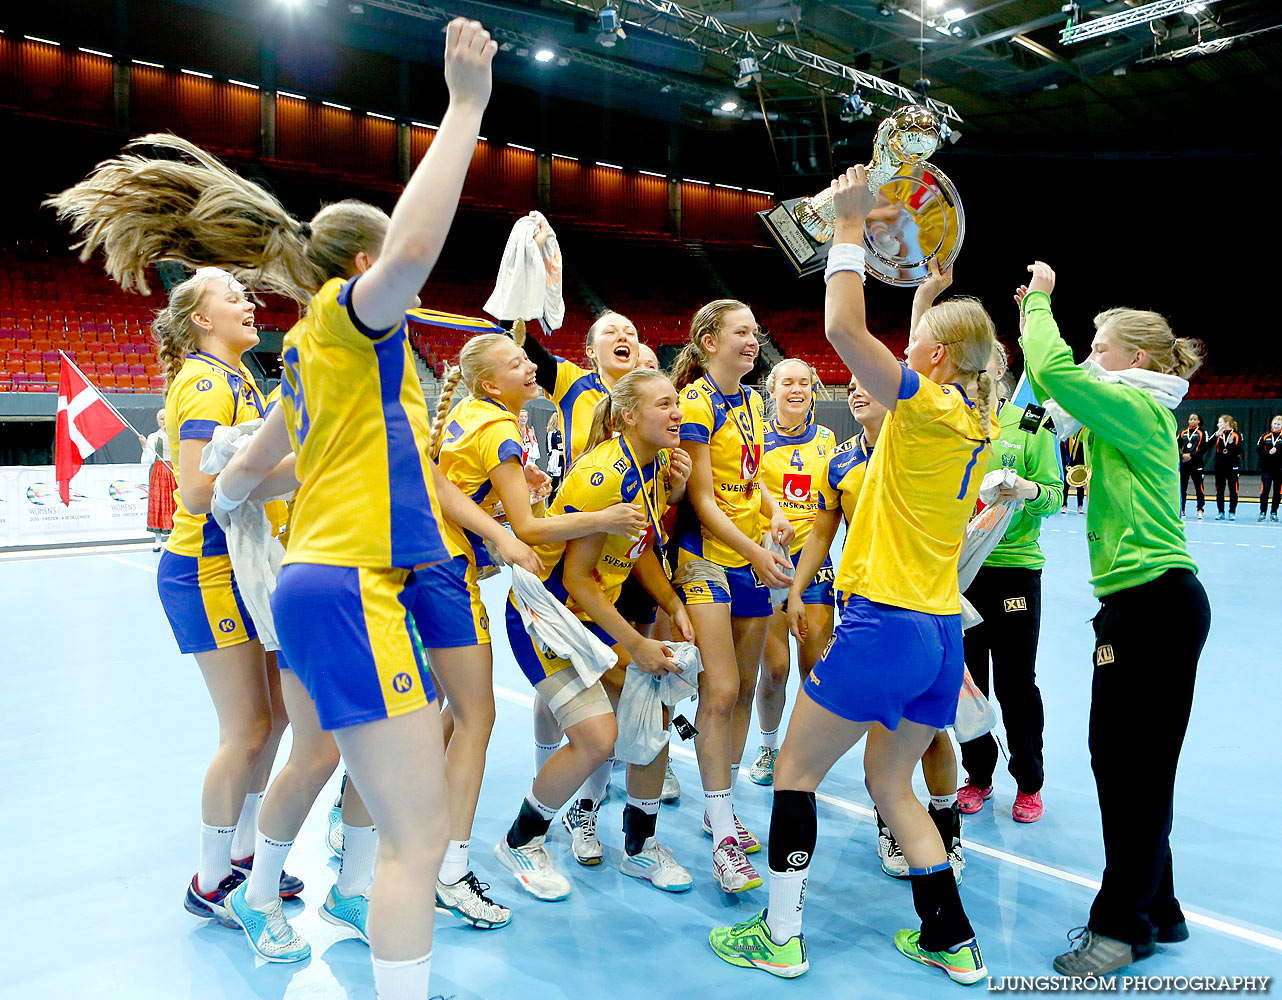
(686, 493)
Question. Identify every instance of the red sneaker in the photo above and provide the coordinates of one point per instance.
(1027, 808)
(971, 798)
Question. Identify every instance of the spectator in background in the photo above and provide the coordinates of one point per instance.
(556, 452)
(1193, 447)
(529, 440)
(646, 358)
(160, 491)
(1228, 464)
(1269, 448)
(1073, 455)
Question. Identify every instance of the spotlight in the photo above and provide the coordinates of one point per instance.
(749, 71)
(956, 14)
(544, 55)
(610, 30)
(922, 87)
(728, 106)
(885, 10)
(781, 26)
(854, 107)
(947, 134)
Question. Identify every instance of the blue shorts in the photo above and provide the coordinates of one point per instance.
(350, 636)
(447, 605)
(748, 597)
(534, 663)
(820, 589)
(202, 602)
(886, 663)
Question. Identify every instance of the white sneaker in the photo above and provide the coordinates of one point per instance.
(893, 862)
(580, 820)
(733, 870)
(671, 787)
(656, 863)
(958, 861)
(747, 840)
(762, 771)
(269, 933)
(466, 900)
(534, 869)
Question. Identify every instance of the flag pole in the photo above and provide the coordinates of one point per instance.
(104, 398)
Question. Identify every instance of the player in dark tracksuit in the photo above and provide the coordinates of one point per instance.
(1269, 448)
(1228, 465)
(1194, 443)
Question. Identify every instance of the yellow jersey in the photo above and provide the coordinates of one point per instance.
(734, 429)
(607, 475)
(576, 393)
(480, 435)
(919, 493)
(843, 476)
(277, 511)
(359, 424)
(792, 470)
(206, 394)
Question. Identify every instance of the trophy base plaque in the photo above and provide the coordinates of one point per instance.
(805, 254)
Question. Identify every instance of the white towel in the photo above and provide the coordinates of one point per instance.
(557, 631)
(529, 284)
(256, 554)
(642, 733)
(1167, 389)
(780, 594)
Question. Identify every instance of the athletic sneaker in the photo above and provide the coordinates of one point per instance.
(1027, 808)
(534, 868)
(580, 820)
(893, 862)
(749, 946)
(671, 787)
(971, 798)
(733, 870)
(1274, 517)
(747, 842)
(1096, 955)
(346, 911)
(1219, 517)
(466, 900)
(1261, 517)
(1232, 516)
(334, 840)
(289, 885)
(964, 964)
(762, 771)
(656, 863)
(268, 931)
(1199, 515)
(213, 904)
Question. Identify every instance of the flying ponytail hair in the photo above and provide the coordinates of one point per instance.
(692, 361)
(189, 207)
(624, 397)
(472, 368)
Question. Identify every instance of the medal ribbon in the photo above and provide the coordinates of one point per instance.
(750, 437)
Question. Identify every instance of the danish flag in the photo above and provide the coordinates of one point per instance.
(86, 422)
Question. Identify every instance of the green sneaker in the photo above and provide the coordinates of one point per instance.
(963, 964)
(749, 945)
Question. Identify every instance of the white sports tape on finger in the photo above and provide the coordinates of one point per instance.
(845, 257)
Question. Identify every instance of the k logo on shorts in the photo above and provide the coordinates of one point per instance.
(402, 682)
(1015, 604)
(226, 625)
(1103, 655)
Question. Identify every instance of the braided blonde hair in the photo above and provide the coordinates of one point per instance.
(472, 369)
(192, 208)
(692, 361)
(173, 332)
(968, 335)
(624, 397)
(1143, 330)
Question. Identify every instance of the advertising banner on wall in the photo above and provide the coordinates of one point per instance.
(108, 503)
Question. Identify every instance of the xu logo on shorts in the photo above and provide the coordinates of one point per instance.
(402, 683)
(226, 625)
(1015, 604)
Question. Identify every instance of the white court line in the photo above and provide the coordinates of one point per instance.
(153, 570)
(72, 552)
(854, 809)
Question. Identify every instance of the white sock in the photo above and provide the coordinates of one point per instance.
(263, 887)
(650, 806)
(787, 897)
(597, 783)
(770, 740)
(402, 980)
(454, 867)
(720, 809)
(943, 801)
(734, 775)
(242, 845)
(545, 811)
(542, 751)
(360, 847)
(215, 856)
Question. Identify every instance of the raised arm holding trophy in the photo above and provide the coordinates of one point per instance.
(918, 216)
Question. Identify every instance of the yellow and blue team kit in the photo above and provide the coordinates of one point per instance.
(480, 435)
(843, 480)
(733, 426)
(792, 469)
(606, 475)
(899, 565)
(197, 587)
(367, 562)
(575, 395)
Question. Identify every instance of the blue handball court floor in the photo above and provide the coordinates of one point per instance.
(106, 731)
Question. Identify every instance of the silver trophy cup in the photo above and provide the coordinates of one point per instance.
(918, 216)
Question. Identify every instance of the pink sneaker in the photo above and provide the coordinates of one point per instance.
(1027, 808)
(971, 798)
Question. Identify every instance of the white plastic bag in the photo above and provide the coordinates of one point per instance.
(642, 733)
(975, 713)
(778, 594)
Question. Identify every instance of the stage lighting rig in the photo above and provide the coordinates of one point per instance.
(855, 107)
(747, 71)
(610, 31)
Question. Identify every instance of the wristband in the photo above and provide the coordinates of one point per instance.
(222, 501)
(845, 257)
